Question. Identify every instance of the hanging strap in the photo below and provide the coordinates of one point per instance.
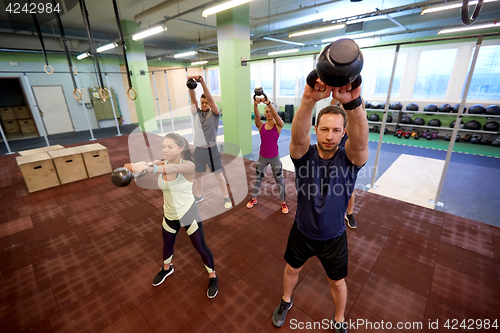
(85, 15)
(130, 88)
(77, 94)
(39, 32)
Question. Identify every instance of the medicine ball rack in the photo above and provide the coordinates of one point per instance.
(494, 118)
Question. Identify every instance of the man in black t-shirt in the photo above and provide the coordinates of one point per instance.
(325, 175)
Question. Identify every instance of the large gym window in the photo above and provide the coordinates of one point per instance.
(266, 79)
(384, 71)
(485, 83)
(287, 78)
(433, 74)
(213, 81)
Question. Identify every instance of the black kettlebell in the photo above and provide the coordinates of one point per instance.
(429, 136)
(123, 177)
(259, 92)
(447, 137)
(192, 83)
(476, 139)
(339, 64)
(496, 143)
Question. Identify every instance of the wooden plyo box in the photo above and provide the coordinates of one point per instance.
(40, 150)
(69, 164)
(7, 113)
(21, 112)
(38, 171)
(96, 159)
(27, 125)
(11, 126)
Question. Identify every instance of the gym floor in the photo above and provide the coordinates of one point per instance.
(82, 256)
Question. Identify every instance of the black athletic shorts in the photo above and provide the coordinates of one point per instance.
(332, 253)
(207, 156)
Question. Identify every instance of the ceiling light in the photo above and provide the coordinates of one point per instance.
(106, 47)
(283, 52)
(82, 56)
(283, 41)
(427, 10)
(318, 30)
(471, 27)
(185, 54)
(199, 63)
(224, 6)
(150, 32)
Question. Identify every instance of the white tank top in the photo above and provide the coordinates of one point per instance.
(177, 196)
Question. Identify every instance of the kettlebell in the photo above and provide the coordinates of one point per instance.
(122, 177)
(192, 83)
(339, 64)
(259, 92)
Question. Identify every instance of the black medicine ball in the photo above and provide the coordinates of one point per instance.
(477, 109)
(368, 105)
(396, 106)
(473, 125)
(456, 107)
(452, 124)
(445, 108)
(375, 105)
(374, 117)
(491, 126)
(434, 122)
(431, 108)
(406, 120)
(419, 121)
(412, 107)
(389, 119)
(493, 109)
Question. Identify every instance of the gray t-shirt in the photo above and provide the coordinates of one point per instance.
(206, 125)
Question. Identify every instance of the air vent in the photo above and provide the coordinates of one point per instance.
(354, 27)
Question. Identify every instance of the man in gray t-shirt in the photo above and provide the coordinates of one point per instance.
(206, 123)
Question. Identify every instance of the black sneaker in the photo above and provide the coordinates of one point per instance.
(198, 199)
(340, 327)
(162, 275)
(279, 314)
(213, 287)
(351, 222)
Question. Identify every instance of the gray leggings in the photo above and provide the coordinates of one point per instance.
(260, 171)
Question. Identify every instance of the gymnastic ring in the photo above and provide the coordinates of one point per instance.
(46, 71)
(74, 71)
(135, 93)
(102, 94)
(77, 91)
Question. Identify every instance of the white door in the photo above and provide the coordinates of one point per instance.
(52, 105)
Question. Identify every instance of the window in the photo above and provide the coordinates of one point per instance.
(287, 78)
(433, 73)
(253, 77)
(266, 79)
(485, 83)
(384, 71)
(213, 81)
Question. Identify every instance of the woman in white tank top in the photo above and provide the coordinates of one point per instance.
(175, 179)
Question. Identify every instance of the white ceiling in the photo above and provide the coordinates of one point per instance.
(274, 18)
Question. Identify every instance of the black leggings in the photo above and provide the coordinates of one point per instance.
(197, 237)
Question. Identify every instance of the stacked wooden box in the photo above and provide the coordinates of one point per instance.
(54, 165)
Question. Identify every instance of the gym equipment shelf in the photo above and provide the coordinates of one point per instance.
(439, 113)
(434, 127)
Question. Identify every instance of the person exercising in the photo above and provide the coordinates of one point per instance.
(269, 152)
(175, 179)
(206, 123)
(325, 175)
